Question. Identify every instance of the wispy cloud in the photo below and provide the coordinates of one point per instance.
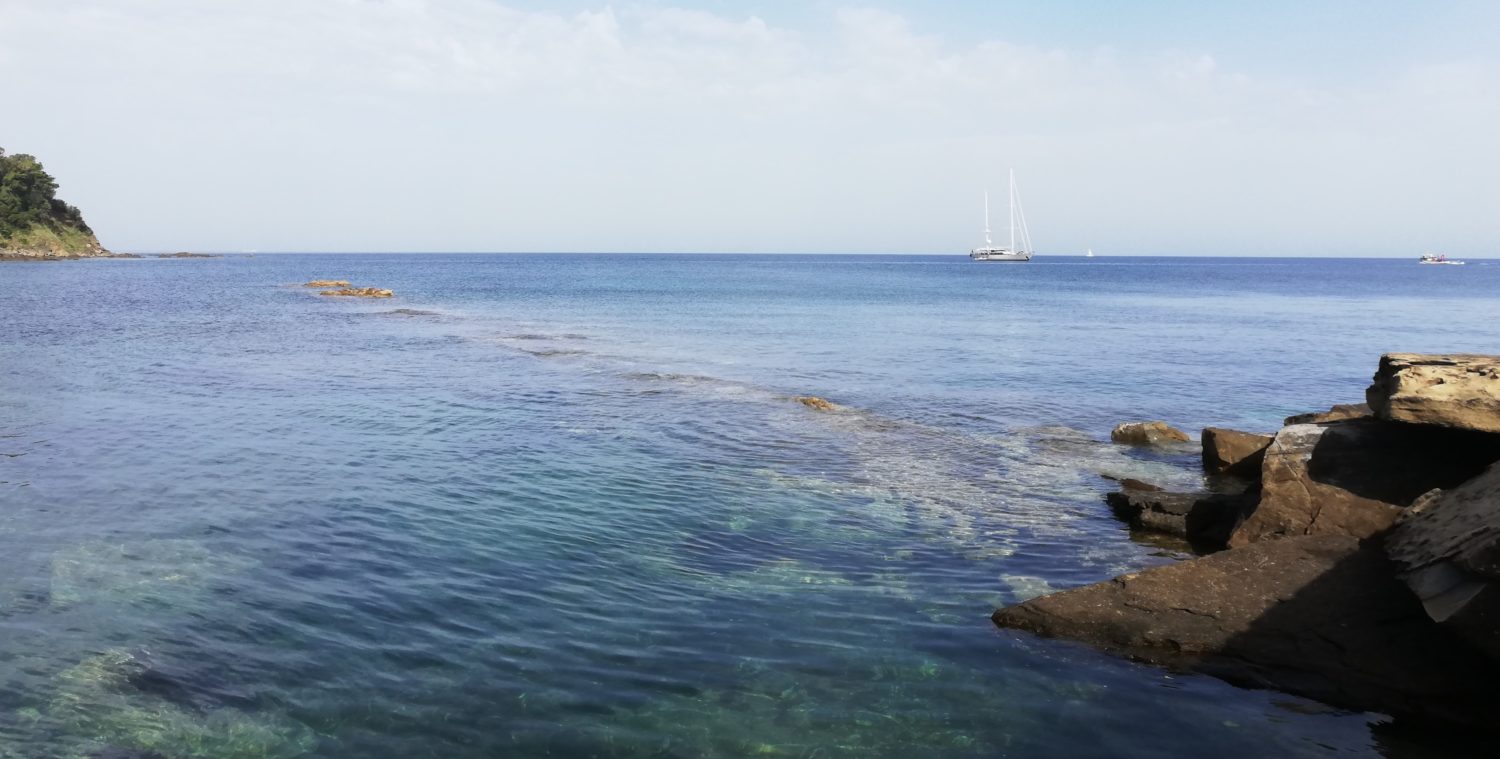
(468, 124)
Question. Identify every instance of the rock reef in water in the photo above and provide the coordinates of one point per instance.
(815, 403)
(359, 292)
(1147, 433)
(185, 254)
(327, 283)
(1319, 595)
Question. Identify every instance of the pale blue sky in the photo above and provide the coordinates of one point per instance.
(1272, 128)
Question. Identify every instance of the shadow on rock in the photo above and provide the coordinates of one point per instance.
(1320, 616)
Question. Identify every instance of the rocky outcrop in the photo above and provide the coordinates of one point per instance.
(328, 283)
(1354, 477)
(1447, 546)
(1232, 452)
(1338, 413)
(815, 403)
(1318, 594)
(359, 292)
(1205, 520)
(185, 254)
(1147, 433)
(88, 248)
(1321, 616)
(1456, 390)
(36, 225)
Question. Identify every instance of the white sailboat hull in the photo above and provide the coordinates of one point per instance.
(980, 254)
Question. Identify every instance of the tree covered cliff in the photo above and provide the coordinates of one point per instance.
(34, 223)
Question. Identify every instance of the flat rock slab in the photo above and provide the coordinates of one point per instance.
(1320, 616)
(1447, 546)
(1235, 453)
(1205, 520)
(1338, 413)
(1453, 390)
(1353, 477)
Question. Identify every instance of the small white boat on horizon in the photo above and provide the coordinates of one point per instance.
(992, 252)
(1438, 258)
(1089, 254)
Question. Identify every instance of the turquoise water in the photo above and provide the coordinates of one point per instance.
(567, 505)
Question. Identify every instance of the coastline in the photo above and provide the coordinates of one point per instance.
(1351, 572)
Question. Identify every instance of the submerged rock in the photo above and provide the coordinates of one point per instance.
(1353, 477)
(1321, 616)
(1205, 520)
(1130, 483)
(359, 292)
(1147, 433)
(1337, 413)
(1232, 452)
(1454, 390)
(126, 753)
(816, 403)
(1448, 548)
(328, 283)
(129, 572)
(99, 699)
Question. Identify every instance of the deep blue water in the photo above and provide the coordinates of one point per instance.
(575, 511)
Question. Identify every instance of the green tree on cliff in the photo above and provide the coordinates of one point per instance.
(27, 198)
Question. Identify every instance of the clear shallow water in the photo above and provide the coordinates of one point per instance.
(574, 511)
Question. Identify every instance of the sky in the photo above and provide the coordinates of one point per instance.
(1334, 128)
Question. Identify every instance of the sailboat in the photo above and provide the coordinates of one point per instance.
(992, 252)
(1089, 254)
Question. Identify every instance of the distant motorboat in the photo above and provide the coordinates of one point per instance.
(1438, 258)
(992, 252)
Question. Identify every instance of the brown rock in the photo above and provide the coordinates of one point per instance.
(1233, 452)
(1339, 412)
(1319, 616)
(1205, 520)
(327, 283)
(1147, 433)
(815, 403)
(1454, 390)
(1448, 548)
(1353, 477)
(360, 292)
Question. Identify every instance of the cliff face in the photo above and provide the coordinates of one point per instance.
(34, 223)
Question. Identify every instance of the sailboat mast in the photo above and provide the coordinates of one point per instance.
(1012, 210)
(987, 218)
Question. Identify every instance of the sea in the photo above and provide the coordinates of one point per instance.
(572, 506)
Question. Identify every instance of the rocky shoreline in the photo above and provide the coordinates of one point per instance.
(94, 250)
(1352, 557)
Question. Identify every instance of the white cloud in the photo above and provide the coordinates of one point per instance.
(467, 124)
